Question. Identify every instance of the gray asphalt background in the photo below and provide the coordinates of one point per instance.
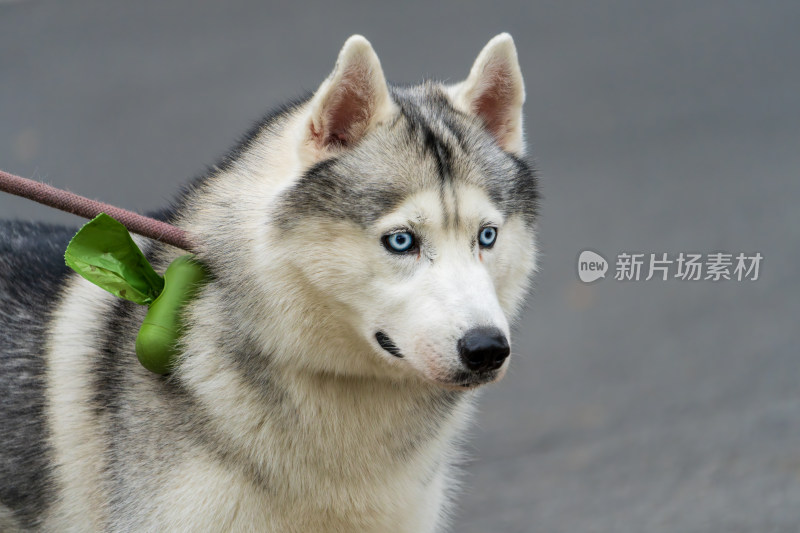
(660, 406)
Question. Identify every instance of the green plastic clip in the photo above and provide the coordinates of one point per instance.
(156, 344)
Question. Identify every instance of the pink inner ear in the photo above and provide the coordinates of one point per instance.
(348, 109)
(494, 99)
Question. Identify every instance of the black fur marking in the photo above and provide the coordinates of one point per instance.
(423, 130)
(440, 153)
(387, 344)
(434, 145)
(108, 371)
(523, 198)
(330, 190)
(31, 270)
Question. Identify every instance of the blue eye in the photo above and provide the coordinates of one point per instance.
(487, 236)
(399, 242)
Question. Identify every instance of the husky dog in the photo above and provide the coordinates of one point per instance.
(367, 247)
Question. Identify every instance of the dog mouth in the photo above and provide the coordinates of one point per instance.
(387, 344)
(471, 380)
(457, 380)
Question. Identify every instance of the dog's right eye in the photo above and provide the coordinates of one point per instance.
(400, 242)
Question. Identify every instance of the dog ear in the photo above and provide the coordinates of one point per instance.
(495, 92)
(353, 98)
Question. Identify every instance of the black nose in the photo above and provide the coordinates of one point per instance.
(483, 349)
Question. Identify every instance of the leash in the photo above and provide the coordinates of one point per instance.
(104, 253)
(86, 208)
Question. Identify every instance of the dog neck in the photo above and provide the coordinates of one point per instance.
(324, 436)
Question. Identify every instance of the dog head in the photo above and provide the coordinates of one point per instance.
(404, 239)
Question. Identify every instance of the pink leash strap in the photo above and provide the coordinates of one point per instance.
(86, 208)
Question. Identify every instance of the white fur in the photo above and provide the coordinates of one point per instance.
(76, 439)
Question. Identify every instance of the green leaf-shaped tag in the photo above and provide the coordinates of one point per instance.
(104, 253)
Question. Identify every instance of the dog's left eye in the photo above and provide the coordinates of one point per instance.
(400, 242)
(487, 236)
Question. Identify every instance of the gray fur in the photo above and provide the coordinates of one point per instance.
(31, 268)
